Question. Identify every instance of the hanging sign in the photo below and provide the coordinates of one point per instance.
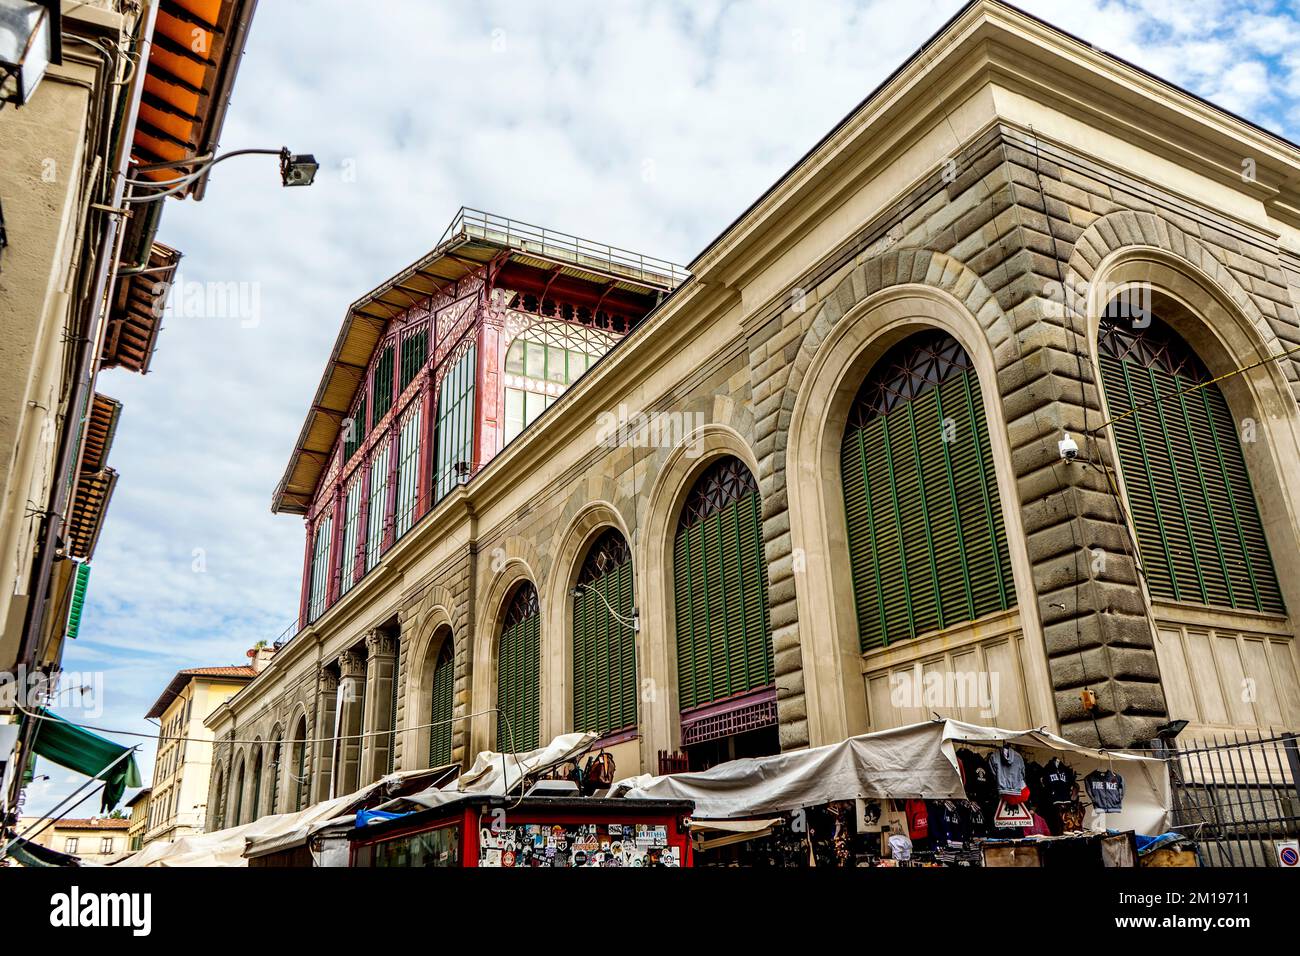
(1012, 815)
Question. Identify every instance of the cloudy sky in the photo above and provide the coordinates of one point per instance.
(645, 125)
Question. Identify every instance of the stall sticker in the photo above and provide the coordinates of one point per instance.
(603, 845)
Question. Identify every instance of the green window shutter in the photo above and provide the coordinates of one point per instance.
(604, 651)
(1199, 532)
(415, 351)
(518, 673)
(300, 766)
(926, 542)
(78, 603)
(724, 644)
(444, 680)
(392, 710)
(275, 777)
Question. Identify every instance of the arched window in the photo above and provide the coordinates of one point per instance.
(724, 642)
(444, 686)
(257, 782)
(275, 772)
(239, 795)
(518, 680)
(604, 643)
(544, 360)
(219, 800)
(300, 780)
(1198, 525)
(927, 546)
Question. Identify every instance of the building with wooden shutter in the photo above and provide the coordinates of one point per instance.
(83, 284)
(841, 486)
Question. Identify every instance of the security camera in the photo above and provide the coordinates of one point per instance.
(297, 169)
(1068, 448)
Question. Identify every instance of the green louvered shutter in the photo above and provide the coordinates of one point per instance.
(300, 766)
(78, 603)
(392, 711)
(724, 644)
(1198, 526)
(926, 542)
(444, 680)
(518, 676)
(604, 652)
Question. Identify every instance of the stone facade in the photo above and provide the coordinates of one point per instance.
(980, 226)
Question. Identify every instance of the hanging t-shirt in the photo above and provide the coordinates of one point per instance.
(1008, 769)
(980, 785)
(949, 824)
(1106, 788)
(1058, 781)
(918, 820)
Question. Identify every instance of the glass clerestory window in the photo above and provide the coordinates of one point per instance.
(320, 568)
(455, 440)
(542, 361)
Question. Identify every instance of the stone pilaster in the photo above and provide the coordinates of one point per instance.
(322, 767)
(352, 684)
(381, 671)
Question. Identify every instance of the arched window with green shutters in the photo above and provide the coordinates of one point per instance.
(276, 749)
(257, 781)
(724, 644)
(300, 780)
(518, 678)
(1198, 527)
(444, 684)
(604, 648)
(239, 795)
(927, 546)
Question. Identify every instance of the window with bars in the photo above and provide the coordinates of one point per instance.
(444, 685)
(355, 432)
(1198, 527)
(543, 361)
(377, 509)
(382, 391)
(604, 648)
(351, 528)
(415, 352)
(408, 470)
(927, 545)
(518, 677)
(455, 440)
(320, 568)
(724, 642)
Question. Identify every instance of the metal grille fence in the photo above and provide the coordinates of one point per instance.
(1236, 795)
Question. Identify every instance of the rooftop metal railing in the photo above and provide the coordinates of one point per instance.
(562, 247)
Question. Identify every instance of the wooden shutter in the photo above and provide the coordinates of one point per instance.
(444, 678)
(604, 650)
(724, 644)
(927, 547)
(1198, 526)
(518, 675)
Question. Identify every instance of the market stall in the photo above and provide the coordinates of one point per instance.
(938, 792)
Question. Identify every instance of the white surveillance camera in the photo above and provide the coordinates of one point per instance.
(1068, 448)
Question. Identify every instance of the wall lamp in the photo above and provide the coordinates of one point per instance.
(634, 622)
(29, 42)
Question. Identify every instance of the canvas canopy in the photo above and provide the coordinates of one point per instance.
(71, 746)
(918, 761)
(226, 847)
(497, 774)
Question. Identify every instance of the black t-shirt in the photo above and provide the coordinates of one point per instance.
(1058, 781)
(949, 823)
(980, 785)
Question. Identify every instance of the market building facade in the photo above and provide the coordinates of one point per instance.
(939, 424)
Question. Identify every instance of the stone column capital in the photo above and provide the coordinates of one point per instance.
(352, 664)
(381, 644)
(328, 679)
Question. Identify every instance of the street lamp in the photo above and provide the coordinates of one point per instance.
(296, 169)
(29, 43)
